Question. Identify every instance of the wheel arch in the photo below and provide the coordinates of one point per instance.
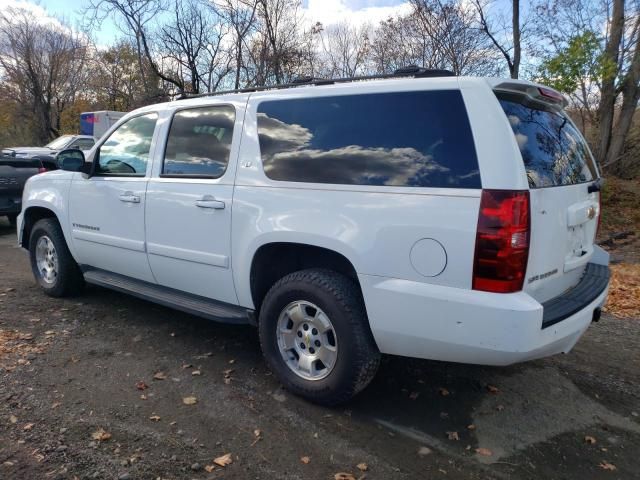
(290, 257)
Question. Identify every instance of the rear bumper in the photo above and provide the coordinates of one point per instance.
(442, 323)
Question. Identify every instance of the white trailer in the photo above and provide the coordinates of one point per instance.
(96, 124)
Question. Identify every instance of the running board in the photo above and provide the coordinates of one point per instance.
(169, 297)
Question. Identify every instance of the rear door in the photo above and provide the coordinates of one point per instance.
(564, 204)
(189, 200)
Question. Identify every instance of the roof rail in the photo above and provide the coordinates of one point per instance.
(409, 71)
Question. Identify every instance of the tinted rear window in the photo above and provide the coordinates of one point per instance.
(414, 139)
(553, 151)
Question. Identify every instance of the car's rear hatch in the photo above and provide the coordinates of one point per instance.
(14, 172)
(563, 182)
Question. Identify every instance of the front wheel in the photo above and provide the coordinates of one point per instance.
(315, 336)
(53, 267)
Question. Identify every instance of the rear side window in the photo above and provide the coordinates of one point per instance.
(553, 151)
(199, 142)
(413, 139)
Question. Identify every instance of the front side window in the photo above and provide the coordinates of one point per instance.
(199, 142)
(413, 139)
(553, 151)
(126, 150)
(82, 144)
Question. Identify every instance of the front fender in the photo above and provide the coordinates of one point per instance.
(49, 191)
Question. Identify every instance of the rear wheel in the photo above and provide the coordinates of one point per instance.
(316, 338)
(53, 267)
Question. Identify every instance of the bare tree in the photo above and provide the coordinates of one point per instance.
(240, 15)
(513, 53)
(345, 49)
(192, 46)
(44, 64)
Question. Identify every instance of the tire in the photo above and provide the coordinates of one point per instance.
(320, 295)
(68, 279)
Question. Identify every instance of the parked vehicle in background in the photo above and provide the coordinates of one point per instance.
(51, 149)
(96, 124)
(423, 215)
(14, 173)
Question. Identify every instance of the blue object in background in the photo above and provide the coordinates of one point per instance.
(87, 121)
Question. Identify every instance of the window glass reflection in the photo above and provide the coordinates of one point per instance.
(199, 142)
(553, 151)
(416, 139)
(126, 151)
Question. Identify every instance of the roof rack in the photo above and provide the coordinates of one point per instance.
(409, 71)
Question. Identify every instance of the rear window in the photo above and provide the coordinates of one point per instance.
(414, 139)
(553, 151)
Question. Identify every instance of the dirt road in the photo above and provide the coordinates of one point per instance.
(69, 368)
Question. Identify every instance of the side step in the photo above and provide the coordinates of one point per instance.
(168, 297)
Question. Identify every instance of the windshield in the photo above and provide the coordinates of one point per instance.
(553, 150)
(59, 142)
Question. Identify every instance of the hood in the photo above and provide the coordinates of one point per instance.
(27, 151)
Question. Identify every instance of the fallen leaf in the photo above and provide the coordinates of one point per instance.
(196, 373)
(232, 361)
(189, 400)
(590, 440)
(55, 405)
(257, 432)
(305, 460)
(159, 376)
(500, 408)
(363, 467)
(28, 427)
(423, 451)
(471, 427)
(154, 418)
(492, 389)
(343, 476)
(453, 436)
(13, 419)
(443, 391)
(143, 397)
(141, 385)
(414, 395)
(607, 466)
(224, 460)
(209, 468)
(101, 435)
(485, 452)
(187, 365)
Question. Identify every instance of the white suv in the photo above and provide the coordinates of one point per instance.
(420, 214)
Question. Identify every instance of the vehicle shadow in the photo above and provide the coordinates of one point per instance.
(5, 228)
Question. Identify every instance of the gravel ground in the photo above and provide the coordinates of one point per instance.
(94, 387)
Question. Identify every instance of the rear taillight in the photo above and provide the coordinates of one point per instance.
(502, 241)
(42, 170)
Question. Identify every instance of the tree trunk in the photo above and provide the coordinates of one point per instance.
(630, 95)
(515, 67)
(608, 92)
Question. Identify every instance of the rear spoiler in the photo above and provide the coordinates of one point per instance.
(537, 93)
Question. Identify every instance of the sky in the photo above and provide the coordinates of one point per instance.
(325, 11)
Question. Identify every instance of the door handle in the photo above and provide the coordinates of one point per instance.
(129, 197)
(209, 201)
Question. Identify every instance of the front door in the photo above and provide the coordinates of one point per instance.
(189, 199)
(106, 210)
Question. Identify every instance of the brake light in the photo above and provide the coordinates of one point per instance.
(551, 94)
(42, 170)
(502, 241)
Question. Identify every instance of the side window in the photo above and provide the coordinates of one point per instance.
(83, 144)
(126, 151)
(199, 142)
(413, 139)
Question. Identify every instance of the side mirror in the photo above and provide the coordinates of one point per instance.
(71, 160)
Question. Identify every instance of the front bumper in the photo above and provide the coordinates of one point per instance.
(421, 320)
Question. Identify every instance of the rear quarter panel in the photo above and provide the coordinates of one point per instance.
(374, 227)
